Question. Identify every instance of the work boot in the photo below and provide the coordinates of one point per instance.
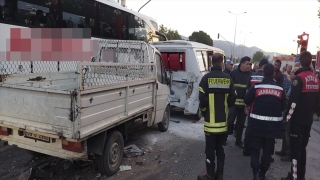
(239, 144)
(280, 153)
(286, 159)
(271, 160)
(210, 172)
(262, 175)
(219, 172)
(289, 177)
(246, 151)
(256, 175)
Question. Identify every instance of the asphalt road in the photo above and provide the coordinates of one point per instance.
(177, 154)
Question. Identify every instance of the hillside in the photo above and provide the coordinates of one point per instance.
(241, 50)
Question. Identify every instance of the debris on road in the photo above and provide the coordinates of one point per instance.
(26, 175)
(125, 168)
(176, 121)
(132, 151)
(140, 163)
(163, 161)
(157, 157)
(66, 166)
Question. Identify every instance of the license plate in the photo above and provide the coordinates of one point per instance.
(37, 137)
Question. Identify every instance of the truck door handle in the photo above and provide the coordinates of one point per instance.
(157, 86)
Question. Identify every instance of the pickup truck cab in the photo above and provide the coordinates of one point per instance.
(187, 62)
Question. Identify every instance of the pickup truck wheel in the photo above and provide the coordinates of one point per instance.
(110, 160)
(164, 124)
(197, 116)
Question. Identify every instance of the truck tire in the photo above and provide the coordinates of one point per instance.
(164, 124)
(197, 116)
(110, 160)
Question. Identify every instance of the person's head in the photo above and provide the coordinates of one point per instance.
(256, 66)
(268, 71)
(292, 76)
(277, 65)
(217, 59)
(284, 69)
(289, 68)
(229, 64)
(305, 59)
(245, 64)
(262, 63)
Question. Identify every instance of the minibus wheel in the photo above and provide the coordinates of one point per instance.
(197, 116)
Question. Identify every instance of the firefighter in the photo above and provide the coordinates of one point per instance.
(302, 103)
(256, 77)
(240, 78)
(267, 100)
(216, 95)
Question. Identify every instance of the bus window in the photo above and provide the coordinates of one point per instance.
(79, 14)
(7, 10)
(155, 25)
(1, 5)
(37, 13)
(137, 30)
(107, 25)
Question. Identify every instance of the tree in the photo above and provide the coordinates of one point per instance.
(171, 34)
(201, 37)
(258, 56)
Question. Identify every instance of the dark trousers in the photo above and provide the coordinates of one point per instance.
(214, 147)
(256, 143)
(236, 112)
(246, 141)
(299, 138)
(286, 139)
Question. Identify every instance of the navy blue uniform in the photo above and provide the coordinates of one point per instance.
(256, 77)
(267, 101)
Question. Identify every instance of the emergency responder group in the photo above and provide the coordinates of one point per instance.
(272, 111)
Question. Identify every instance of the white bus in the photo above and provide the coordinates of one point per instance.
(106, 18)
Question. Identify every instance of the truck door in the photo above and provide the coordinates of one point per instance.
(162, 97)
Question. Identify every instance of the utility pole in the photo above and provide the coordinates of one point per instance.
(144, 5)
(235, 30)
(229, 43)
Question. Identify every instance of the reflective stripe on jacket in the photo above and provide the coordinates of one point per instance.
(240, 80)
(216, 95)
(267, 100)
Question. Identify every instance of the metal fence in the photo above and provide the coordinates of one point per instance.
(26, 67)
(123, 51)
(116, 61)
(97, 74)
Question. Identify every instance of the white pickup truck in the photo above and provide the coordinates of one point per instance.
(73, 109)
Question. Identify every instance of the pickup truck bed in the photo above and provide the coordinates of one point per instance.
(76, 104)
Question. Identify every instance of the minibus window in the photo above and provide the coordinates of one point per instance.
(200, 61)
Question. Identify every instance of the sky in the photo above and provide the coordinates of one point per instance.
(271, 25)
